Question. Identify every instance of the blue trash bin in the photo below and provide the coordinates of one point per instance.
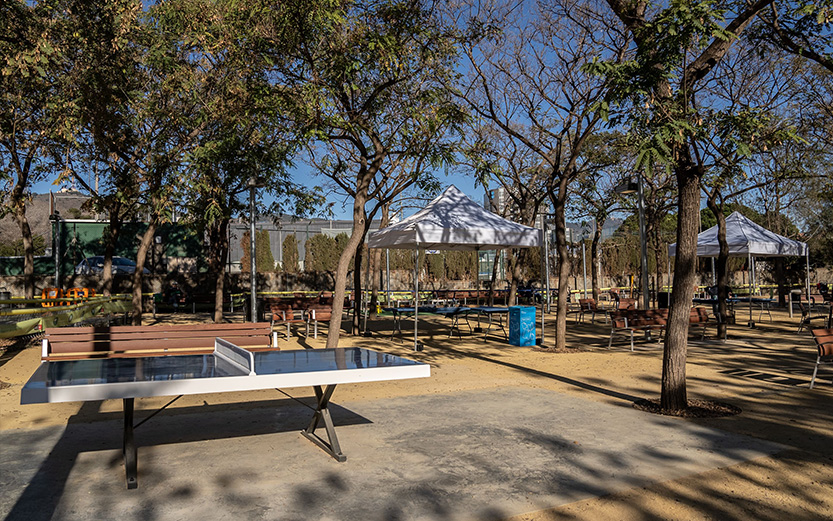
(522, 325)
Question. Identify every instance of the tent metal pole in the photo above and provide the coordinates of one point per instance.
(416, 299)
(477, 329)
(751, 287)
(477, 273)
(387, 274)
(584, 264)
(366, 293)
(807, 259)
(545, 261)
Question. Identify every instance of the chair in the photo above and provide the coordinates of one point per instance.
(588, 305)
(824, 342)
(286, 311)
(320, 310)
(807, 315)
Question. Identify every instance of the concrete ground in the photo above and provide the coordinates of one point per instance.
(497, 432)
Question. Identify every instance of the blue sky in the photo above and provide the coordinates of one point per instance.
(464, 183)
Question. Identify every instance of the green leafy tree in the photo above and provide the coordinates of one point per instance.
(105, 72)
(526, 80)
(37, 116)
(241, 141)
(291, 257)
(366, 79)
(16, 249)
(320, 250)
(677, 47)
(263, 250)
(246, 258)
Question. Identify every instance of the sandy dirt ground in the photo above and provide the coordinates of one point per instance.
(765, 371)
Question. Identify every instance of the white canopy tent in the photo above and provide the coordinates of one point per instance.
(745, 238)
(452, 221)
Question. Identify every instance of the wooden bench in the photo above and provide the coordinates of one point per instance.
(629, 321)
(700, 317)
(74, 343)
(824, 342)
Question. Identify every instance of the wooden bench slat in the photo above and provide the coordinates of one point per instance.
(152, 335)
(824, 341)
(158, 344)
(257, 326)
(144, 353)
(120, 341)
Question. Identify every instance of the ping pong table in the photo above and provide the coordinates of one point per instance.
(228, 369)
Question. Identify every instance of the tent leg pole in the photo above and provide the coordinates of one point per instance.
(417, 347)
(751, 288)
(545, 268)
(477, 329)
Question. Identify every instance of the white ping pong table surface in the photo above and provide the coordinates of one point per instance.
(229, 369)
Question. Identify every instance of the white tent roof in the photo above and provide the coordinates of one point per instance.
(745, 238)
(452, 221)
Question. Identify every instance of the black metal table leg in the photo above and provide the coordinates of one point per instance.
(129, 447)
(322, 412)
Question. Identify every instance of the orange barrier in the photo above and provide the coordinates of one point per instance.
(51, 293)
(73, 293)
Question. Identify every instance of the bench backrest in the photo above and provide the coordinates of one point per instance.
(69, 343)
(698, 316)
(639, 317)
(626, 303)
(824, 341)
(588, 304)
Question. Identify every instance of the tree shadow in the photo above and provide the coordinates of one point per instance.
(40, 498)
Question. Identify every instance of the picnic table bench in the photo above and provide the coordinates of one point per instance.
(627, 322)
(301, 309)
(75, 343)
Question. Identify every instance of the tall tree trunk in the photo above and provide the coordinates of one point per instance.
(375, 279)
(781, 277)
(594, 261)
(377, 262)
(28, 251)
(110, 248)
(138, 275)
(559, 201)
(674, 396)
(515, 274)
(358, 266)
(722, 270)
(356, 238)
(493, 279)
(217, 255)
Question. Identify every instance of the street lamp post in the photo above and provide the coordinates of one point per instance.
(56, 245)
(646, 297)
(584, 233)
(253, 185)
(626, 188)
